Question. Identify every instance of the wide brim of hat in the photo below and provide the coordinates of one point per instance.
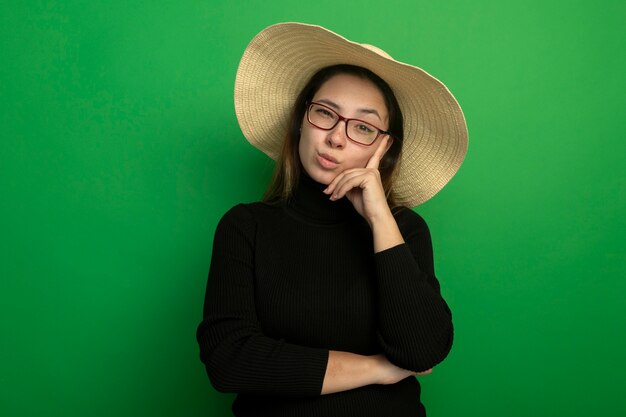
(282, 58)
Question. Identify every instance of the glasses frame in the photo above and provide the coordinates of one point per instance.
(344, 119)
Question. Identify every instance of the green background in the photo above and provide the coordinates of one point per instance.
(120, 151)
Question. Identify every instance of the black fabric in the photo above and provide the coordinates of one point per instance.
(288, 282)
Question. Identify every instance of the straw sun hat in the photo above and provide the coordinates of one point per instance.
(281, 59)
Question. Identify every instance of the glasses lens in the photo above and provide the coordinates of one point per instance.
(362, 132)
(357, 130)
(322, 117)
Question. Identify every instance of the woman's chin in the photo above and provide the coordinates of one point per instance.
(321, 177)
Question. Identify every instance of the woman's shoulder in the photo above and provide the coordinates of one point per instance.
(409, 221)
(247, 213)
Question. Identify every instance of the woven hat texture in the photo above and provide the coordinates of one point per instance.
(281, 59)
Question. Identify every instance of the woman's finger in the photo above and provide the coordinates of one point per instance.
(333, 183)
(341, 176)
(378, 155)
(355, 179)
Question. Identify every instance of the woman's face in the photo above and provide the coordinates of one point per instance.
(326, 153)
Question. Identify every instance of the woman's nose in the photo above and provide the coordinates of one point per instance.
(337, 135)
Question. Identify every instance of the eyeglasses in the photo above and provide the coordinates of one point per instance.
(325, 118)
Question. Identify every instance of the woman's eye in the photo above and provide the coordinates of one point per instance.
(323, 112)
(364, 128)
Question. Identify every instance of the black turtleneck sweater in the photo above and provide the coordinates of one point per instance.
(290, 281)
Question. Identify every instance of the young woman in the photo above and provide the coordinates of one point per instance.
(322, 299)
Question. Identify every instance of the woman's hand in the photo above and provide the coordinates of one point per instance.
(346, 371)
(388, 373)
(363, 187)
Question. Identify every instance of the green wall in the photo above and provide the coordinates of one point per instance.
(120, 151)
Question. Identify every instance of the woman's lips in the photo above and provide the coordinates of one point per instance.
(327, 161)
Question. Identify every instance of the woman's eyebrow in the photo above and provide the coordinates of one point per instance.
(337, 107)
(370, 111)
(329, 103)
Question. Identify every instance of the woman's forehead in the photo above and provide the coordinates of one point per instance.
(350, 93)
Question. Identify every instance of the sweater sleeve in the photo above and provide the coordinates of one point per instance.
(415, 323)
(237, 355)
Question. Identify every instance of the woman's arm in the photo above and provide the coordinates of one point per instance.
(415, 323)
(347, 371)
(385, 232)
(237, 355)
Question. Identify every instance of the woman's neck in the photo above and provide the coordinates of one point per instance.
(309, 202)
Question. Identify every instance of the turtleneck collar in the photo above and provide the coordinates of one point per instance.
(311, 204)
